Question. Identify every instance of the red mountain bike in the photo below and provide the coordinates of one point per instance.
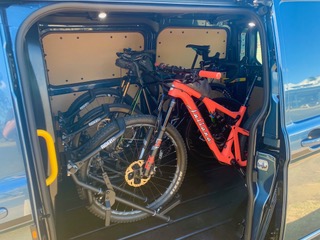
(141, 165)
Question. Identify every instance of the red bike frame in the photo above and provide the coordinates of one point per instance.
(231, 150)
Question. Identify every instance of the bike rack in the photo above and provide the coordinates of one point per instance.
(145, 199)
(111, 198)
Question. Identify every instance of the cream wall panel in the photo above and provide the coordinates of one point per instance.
(80, 57)
(171, 44)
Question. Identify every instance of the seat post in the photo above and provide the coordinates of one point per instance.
(194, 61)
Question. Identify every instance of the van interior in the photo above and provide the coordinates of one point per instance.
(74, 51)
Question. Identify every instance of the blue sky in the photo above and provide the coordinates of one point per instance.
(300, 40)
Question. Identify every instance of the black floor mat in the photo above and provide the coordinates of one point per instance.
(213, 203)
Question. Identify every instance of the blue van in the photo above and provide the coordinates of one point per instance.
(59, 57)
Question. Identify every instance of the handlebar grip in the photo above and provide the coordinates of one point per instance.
(209, 74)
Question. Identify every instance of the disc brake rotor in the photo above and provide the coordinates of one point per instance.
(133, 175)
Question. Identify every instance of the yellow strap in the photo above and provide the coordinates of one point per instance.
(51, 154)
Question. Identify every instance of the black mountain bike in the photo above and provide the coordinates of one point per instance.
(133, 167)
(140, 72)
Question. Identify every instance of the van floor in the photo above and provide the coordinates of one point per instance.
(213, 206)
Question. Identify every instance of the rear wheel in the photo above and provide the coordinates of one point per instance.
(123, 166)
(219, 90)
(91, 100)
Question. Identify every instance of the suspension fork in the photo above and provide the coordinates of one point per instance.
(151, 131)
(155, 148)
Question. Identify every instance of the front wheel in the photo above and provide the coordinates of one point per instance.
(107, 113)
(123, 166)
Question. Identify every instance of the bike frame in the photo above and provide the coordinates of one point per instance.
(185, 93)
(231, 151)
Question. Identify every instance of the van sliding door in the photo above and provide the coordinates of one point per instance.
(15, 204)
(298, 40)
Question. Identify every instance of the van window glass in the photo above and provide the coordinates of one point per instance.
(250, 45)
(300, 52)
(9, 139)
(243, 44)
(14, 194)
(258, 49)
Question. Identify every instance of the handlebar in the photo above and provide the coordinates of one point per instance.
(188, 72)
(209, 74)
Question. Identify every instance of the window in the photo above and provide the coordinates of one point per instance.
(258, 48)
(300, 51)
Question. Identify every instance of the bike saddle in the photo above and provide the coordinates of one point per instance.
(127, 58)
(200, 49)
(134, 55)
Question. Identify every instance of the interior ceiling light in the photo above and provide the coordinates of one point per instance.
(102, 15)
(251, 24)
